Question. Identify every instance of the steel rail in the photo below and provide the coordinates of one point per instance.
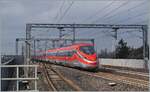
(50, 83)
(129, 72)
(48, 68)
(70, 83)
(123, 79)
(117, 78)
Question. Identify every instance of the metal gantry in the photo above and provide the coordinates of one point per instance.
(30, 26)
(53, 40)
(36, 25)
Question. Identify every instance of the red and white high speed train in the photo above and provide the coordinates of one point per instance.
(80, 55)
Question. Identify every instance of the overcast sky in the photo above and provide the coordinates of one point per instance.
(14, 14)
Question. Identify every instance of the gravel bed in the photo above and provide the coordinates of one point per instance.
(89, 83)
(124, 74)
(43, 84)
(62, 86)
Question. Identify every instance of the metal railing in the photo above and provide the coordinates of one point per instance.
(17, 79)
(10, 60)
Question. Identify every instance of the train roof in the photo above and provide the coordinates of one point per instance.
(70, 47)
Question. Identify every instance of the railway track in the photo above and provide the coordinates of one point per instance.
(54, 79)
(123, 79)
(117, 78)
(128, 72)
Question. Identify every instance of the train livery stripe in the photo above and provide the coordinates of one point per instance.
(83, 54)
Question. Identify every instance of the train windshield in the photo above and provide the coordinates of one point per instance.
(87, 49)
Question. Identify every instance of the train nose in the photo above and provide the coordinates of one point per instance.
(91, 57)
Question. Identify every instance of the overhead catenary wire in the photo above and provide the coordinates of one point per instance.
(65, 12)
(107, 14)
(141, 4)
(99, 11)
(60, 10)
(127, 10)
(56, 17)
(123, 4)
(64, 15)
(58, 13)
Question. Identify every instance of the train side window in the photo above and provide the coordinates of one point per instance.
(61, 54)
(70, 53)
(51, 54)
(67, 53)
(48, 53)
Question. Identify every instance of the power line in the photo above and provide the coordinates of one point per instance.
(123, 11)
(102, 9)
(111, 11)
(98, 12)
(60, 10)
(65, 12)
(141, 4)
(116, 10)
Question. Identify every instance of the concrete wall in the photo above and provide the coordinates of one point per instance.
(131, 63)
